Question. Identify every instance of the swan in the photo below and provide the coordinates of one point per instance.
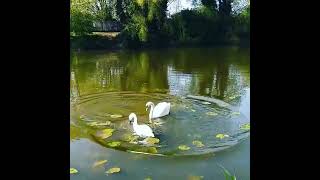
(160, 110)
(140, 130)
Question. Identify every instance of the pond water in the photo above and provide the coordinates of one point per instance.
(209, 92)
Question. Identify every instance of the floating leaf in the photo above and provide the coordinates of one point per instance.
(205, 102)
(148, 178)
(73, 171)
(92, 124)
(233, 97)
(107, 123)
(128, 137)
(105, 133)
(245, 126)
(221, 136)
(193, 110)
(99, 163)
(211, 113)
(235, 113)
(113, 170)
(116, 116)
(152, 150)
(114, 144)
(199, 144)
(151, 140)
(183, 147)
(195, 177)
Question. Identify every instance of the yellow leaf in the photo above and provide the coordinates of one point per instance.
(73, 171)
(116, 116)
(221, 136)
(197, 143)
(113, 170)
(105, 133)
(184, 147)
(152, 140)
(99, 163)
(114, 144)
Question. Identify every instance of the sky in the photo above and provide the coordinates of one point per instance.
(178, 5)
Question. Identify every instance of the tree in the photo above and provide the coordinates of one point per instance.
(81, 17)
(211, 4)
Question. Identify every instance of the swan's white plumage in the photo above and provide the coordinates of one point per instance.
(160, 110)
(140, 130)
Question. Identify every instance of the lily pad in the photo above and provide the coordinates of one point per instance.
(145, 149)
(114, 144)
(99, 163)
(211, 113)
(221, 136)
(116, 116)
(195, 177)
(183, 147)
(73, 171)
(245, 126)
(206, 103)
(113, 170)
(199, 144)
(105, 133)
(151, 140)
(129, 137)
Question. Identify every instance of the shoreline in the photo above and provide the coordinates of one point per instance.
(98, 42)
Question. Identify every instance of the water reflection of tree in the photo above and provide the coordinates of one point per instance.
(213, 72)
(74, 84)
(218, 73)
(143, 73)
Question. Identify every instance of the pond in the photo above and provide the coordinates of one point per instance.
(208, 125)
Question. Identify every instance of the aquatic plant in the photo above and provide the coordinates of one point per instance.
(227, 174)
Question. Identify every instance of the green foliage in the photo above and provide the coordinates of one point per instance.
(227, 174)
(194, 25)
(84, 12)
(146, 24)
(80, 17)
(242, 23)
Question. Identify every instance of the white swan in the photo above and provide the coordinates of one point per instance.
(160, 110)
(140, 130)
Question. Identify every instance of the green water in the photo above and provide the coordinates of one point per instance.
(109, 83)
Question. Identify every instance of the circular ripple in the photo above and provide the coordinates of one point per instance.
(189, 120)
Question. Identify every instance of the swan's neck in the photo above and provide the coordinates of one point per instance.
(151, 112)
(135, 122)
